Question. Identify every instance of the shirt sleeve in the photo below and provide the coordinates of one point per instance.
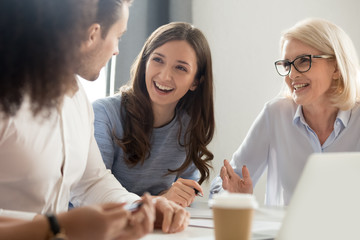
(103, 131)
(98, 184)
(253, 152)
(5, 212)
(17, 214)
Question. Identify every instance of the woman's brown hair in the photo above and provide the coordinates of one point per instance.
(137, 112)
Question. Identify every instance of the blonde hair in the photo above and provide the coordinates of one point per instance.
(330, 39)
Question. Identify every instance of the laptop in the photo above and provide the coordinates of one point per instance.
(326, 201)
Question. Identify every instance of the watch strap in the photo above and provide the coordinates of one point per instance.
(56, 232)
(54, 224)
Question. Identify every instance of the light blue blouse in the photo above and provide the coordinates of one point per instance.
(166, 153)
(281, 141)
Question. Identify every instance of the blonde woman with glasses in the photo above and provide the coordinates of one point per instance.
(318, 112)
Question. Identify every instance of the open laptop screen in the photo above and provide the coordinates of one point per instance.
(326, 201)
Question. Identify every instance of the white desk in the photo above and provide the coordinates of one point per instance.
(266, 223)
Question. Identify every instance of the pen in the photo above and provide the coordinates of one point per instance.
(133, 206)
(198, 193)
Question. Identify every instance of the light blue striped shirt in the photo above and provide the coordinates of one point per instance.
(280, 141)
(165, 153)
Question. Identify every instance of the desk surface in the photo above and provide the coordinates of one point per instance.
(266, 223)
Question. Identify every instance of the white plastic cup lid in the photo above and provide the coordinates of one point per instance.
(233, 200)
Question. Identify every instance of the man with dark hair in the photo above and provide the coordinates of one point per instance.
(101, 44)
(47, 148)
(103, 37)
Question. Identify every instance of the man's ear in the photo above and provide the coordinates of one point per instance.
(93, 35)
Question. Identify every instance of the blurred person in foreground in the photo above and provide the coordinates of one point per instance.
(48, 154)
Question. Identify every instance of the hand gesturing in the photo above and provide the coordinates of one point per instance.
(233, 182)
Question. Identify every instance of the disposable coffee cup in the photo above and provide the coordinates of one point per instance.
(233, 214)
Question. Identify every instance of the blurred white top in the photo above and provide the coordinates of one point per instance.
(47, 162)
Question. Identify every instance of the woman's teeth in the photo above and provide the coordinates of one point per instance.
(298, 86)
(164, 88)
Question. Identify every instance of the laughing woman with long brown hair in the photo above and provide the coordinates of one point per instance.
(154, 134)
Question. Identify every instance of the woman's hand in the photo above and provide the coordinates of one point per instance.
(183, 192)
(233, 182)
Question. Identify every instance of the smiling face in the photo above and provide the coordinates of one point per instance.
(309, 88)
(170, 74)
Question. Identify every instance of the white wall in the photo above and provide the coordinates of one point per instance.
(244, 38)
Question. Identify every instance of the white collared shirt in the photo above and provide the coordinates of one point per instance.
(33, 150)
(281, 141)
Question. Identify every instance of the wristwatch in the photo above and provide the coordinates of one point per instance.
(56, 233)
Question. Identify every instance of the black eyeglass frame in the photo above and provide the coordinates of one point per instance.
(324, 56)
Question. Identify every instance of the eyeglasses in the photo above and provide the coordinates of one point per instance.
(301, 64)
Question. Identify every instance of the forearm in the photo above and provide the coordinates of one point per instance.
(14, 229)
